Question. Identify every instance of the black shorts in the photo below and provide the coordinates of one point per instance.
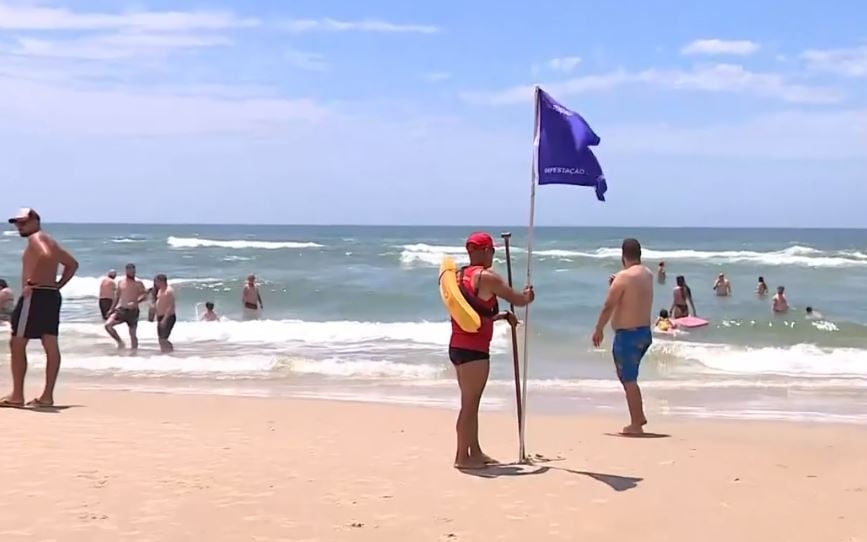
(164, 332)
(37, 315)
(126, 316)
(459, 356)
(104, 306)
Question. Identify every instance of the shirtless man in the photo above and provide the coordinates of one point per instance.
(37, 313)
(107, 288)
(470, 352)
(125, 307)
(722, 286)
(628, 305)
(251, 298)
(779, 303)
(7, 301)
(681, 299)
(165, 312)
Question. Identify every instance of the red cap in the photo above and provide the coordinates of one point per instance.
(480, 240)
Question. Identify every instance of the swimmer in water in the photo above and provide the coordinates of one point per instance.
(251, 299)
(660, 273)
(209, 314)
(779, 304)
(813, 314)
(682, 299)
(761, 287)
(722, 286)
(664, 323)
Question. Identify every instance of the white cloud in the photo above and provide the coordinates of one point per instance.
(720, 47)
(364, 25)
(28, 17)
(114, 46)
(847, 62)
(563, 64)
(436, 77)
(717, 78)
(305, 60)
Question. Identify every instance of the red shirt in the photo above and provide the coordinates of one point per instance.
(480, 341)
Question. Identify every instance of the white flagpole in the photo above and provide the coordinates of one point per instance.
(533, 178)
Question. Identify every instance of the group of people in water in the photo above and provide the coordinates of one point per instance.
(119, 303)
(36, 314)
(682, 304)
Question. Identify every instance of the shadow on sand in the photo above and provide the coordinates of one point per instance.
(41, 409)
(537, 466)
(640, 435)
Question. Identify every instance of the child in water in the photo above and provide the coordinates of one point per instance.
(210, 315)
(664, 323)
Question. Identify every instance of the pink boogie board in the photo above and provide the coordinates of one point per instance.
(690, 322)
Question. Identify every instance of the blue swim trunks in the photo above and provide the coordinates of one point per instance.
(629, 347)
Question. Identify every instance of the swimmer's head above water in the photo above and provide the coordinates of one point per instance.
(480, 248)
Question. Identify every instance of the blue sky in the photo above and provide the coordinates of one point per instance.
(711, 114)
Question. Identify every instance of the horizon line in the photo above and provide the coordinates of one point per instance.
(537, 226)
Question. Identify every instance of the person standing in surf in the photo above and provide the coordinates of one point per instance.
(107, 289)
(628, 306)
(165, 312)
(721, 286)
(470, 352)
(761, 287)
(251, 299)
(682, 301)
(131, 292)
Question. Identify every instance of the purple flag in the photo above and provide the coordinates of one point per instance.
(563, 147)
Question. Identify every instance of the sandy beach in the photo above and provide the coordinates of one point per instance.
(132, 466)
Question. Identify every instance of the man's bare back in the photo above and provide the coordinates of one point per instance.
(107, 288)
(635, 304)
(628, 305)
(41, 259)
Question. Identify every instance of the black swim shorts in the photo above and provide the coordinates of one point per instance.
(127, 316)
(104, 306)
(163, 332)
(37, 315)
(459, 356)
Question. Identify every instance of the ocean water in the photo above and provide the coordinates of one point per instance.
(354, 313)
